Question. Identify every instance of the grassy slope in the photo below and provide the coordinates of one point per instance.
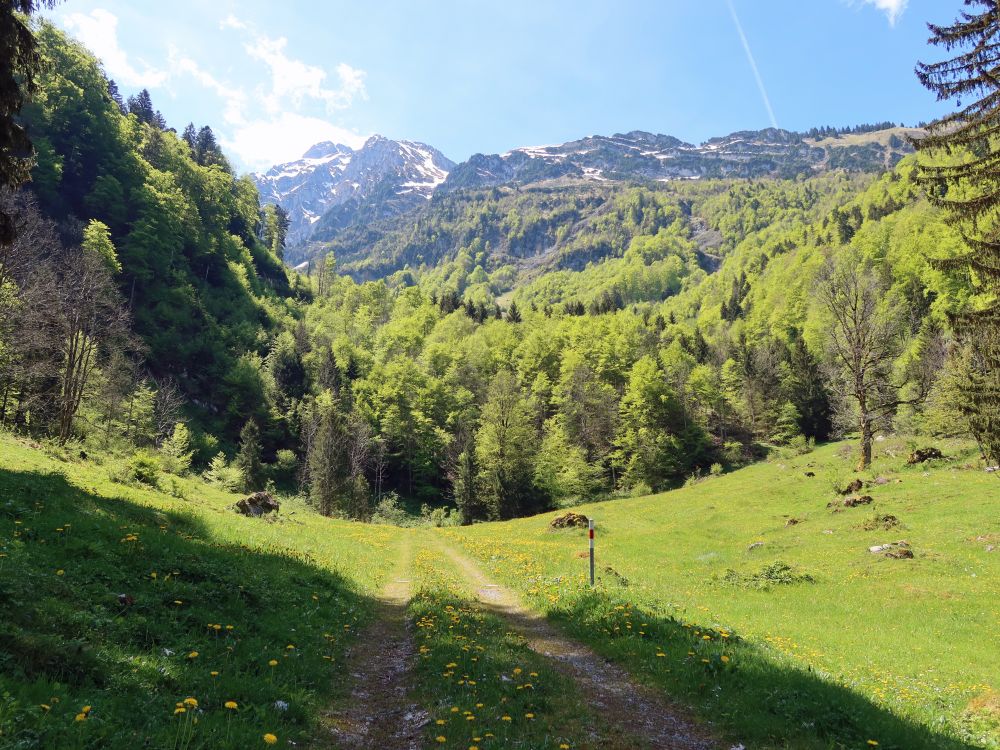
(902, 652)
(71, 542)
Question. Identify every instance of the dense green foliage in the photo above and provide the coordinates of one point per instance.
(517, 348)
(202, 288)
(961, 177)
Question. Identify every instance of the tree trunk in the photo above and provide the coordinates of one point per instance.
(865, 455)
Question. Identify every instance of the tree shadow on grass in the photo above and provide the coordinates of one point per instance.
(736, 685)
(129, 610)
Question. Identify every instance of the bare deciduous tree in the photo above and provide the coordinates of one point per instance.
(866, 338)
(93, 326)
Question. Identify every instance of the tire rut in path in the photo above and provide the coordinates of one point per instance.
(630, 709)
(379, 712)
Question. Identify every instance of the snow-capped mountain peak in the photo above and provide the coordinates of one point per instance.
(329, 175)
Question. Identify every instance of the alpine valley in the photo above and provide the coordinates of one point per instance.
(622, 443)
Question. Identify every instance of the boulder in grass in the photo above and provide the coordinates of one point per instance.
(852, 487)
(257, 505)
(854, 502)
(570, 521)
(920, 455)
(850, 502)
(896, 550)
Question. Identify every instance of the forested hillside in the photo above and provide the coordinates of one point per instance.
(191, 269)
(500, 352)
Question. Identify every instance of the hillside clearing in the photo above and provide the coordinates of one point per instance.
(699, 574)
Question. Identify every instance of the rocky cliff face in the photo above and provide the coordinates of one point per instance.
(333, 187)
(383, 177)
(647, 156)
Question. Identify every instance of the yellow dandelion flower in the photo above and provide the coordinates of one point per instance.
(440, 722)
(529, 716)
(270, 739)
(725, 659)
(45, 707)
(192, 702)
(193, 655)
(273, 663)
(441, 738)
(60, 572)
(214, 673)
(231, 705)
(180, 710)
(505, 717)
(563, 746)
(86, 709)
(873, 743)
(81, 717)
(290, 647)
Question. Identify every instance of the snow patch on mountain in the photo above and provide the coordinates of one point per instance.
(330, 175)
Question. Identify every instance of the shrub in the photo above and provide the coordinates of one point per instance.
(440, 516)
(144, 467)
(777, 573)
(391, 512)
(175, 451)
(221, 473)
(732, 452)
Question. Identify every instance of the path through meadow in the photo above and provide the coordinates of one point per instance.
(628, 714)
(379, 712)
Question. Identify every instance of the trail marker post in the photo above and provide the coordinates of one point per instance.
(590, 531)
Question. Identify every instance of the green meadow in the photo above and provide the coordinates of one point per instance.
(134, 616)
(747, 597)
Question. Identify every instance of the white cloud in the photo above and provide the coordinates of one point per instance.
(893, 9)
(235, 99)
(98, 31)
(232, 22)
(269, 125)
(261, 143)
(293, 81)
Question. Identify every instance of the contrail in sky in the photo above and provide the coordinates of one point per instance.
(753, 63)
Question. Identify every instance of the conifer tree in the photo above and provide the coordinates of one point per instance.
(248, 459)
(327, 459)
(513, 314)
(116, 96)
(190, 135)
(141, 105)
(962, 175)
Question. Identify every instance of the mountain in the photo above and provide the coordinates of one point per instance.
(647, 156)
(333, 190)
(383, 176)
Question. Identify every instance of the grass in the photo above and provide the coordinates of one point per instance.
(481, 683)
(807, 640)
(131, 617)
(744, 596)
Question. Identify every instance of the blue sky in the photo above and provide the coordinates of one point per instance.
(470, 76)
